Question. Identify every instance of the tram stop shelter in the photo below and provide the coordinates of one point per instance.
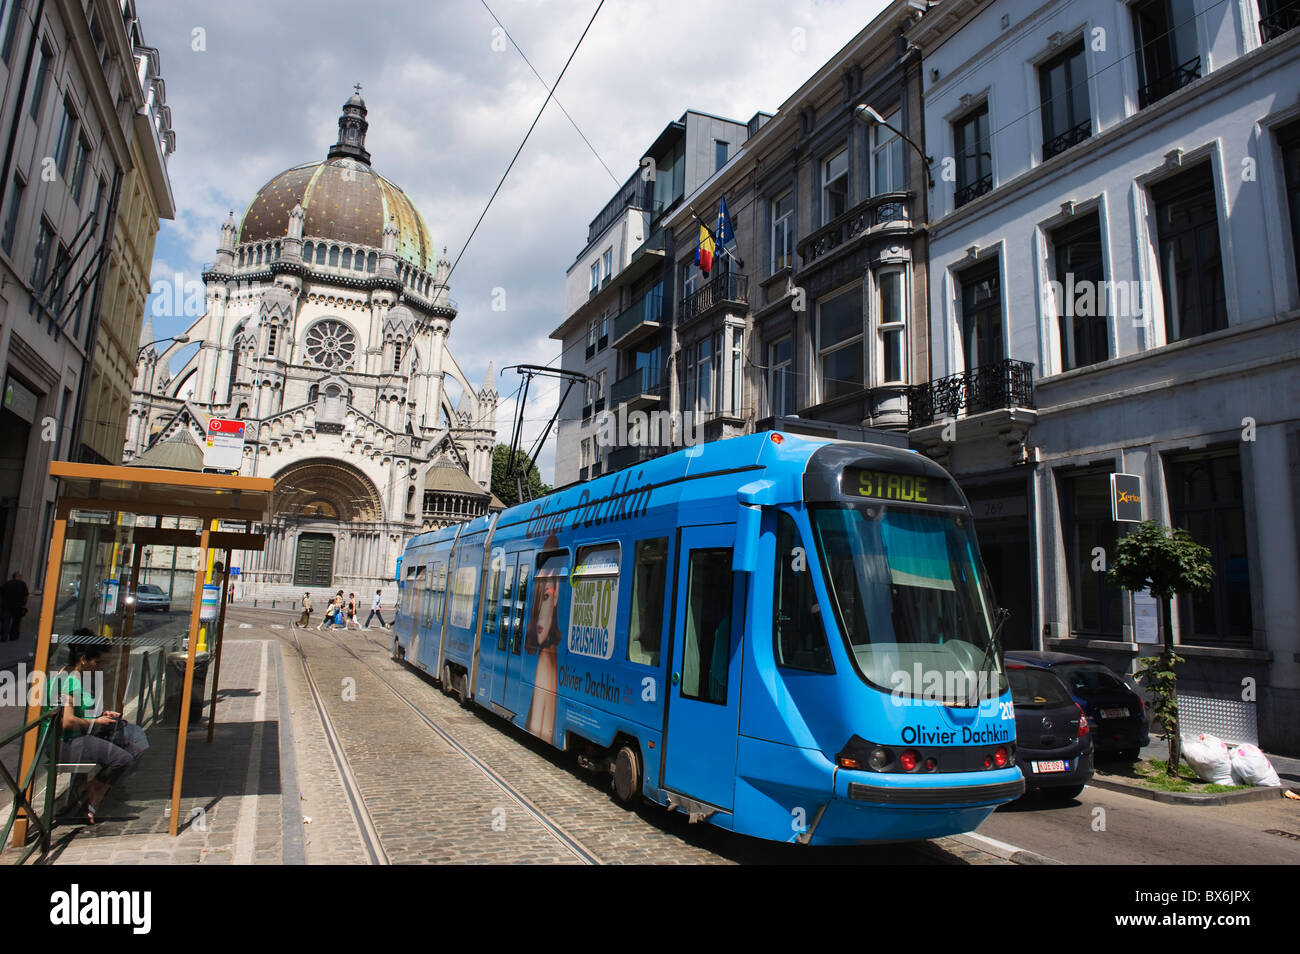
(138, 566)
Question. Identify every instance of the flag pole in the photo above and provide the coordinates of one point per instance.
(716, 244)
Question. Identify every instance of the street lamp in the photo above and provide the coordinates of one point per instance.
(177, 339)
(869, 117)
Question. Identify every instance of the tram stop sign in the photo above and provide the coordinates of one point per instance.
(1126, 498)
(224, 448)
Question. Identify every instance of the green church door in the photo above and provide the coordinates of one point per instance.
(314, 565)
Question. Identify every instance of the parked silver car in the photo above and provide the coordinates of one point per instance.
(151, 597)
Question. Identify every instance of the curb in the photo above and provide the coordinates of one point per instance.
(1017, 856)
(1257, 794)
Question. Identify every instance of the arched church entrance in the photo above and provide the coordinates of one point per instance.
(329, 520)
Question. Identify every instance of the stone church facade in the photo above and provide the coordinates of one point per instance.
(325, 329)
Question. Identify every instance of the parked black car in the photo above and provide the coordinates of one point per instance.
(1115, 710)
(1053, 739)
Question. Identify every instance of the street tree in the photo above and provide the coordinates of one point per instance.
(1167, 563)
(503, 482)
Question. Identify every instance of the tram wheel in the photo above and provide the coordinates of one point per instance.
(448, 684)
(462, 688)
(626, 781)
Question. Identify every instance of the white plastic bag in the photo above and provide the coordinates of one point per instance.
(1250, 766)
(1208, 756)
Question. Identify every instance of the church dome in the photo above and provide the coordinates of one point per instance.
(343, 199)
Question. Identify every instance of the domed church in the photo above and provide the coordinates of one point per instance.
(325, 329)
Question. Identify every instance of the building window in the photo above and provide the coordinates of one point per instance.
(77, 178)
(330, 344)
(1205, 499)
(1063, 82)
(42, 80)
(973, 155)
(1165, 33)
(607, 260)
(11, 31)
(1191, 269)
(1277, 17)
(981, 315)
(1089, 537)
(887, 156)
(839, 344)
(320, 254)
(595, 275)
(835, 185)
(603, 340)
(1289, 140)
(41, 263)
(592, 329)
(63, 144)
(600, 391)
(783, 233)
(737, 373)
(586, 452)
(272, 336)
(1082, 304)
(670, 178)
(891, 326)
(689, 279)
(780, 376)
(11, 219)
(719, 154)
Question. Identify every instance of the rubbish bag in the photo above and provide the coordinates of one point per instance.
(1250, 766)
(1208, 757)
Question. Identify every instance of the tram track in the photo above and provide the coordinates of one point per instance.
(351, 788)
(564, 838)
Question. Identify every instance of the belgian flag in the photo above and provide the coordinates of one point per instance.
(704, 254)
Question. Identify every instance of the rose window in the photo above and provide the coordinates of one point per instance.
(331, 344)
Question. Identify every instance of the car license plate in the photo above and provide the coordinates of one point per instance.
(1044, 767)
(1114, 713)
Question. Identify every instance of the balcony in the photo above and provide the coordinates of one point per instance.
(1004, 384)
(888, 210)
(729, 289)
(640, 320)
(1067, 139)
(632, 455)
(1280, 21)
(974, 190)
(1175, 79)
(637, 391)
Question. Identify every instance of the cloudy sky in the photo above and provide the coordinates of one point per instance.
(256, 87)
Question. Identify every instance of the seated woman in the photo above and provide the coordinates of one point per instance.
(80, 743)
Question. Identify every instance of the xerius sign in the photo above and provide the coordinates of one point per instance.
(1126, 497)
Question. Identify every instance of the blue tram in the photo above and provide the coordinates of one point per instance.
(790, 638)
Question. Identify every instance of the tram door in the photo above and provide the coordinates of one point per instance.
(501, 637)
(704, 685)
(507, 690)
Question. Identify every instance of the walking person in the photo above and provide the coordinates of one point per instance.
(335, 606)
(305, 618)
(352, 613)
(375, 611)
(13, 607)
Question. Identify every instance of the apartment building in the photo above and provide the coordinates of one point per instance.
(1113, 289)
(74, 77)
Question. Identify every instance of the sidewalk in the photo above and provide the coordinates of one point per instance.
(235, 782)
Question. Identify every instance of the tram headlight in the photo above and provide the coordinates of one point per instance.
(879, 758)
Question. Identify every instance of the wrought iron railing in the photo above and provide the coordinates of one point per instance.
(1003, 384)
(1175, 79)
(732, 287)
(1280, 21)
(876, 211)
(621, 457)
(973, 191)
(45, 760)
(1071, 137)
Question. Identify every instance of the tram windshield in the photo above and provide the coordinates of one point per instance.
(908, 595)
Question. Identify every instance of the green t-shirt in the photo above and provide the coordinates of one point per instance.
(68, 685)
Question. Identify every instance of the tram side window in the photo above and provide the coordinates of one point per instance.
(521, 600)
(646, 621)
(797, 628)
(507, 604)
(436, 588)
(494, 584)
(707, 651)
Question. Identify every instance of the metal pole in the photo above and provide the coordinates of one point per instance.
(187, 689)
(221, 642)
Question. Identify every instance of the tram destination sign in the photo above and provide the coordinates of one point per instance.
(1126, 498)
(889, 485)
